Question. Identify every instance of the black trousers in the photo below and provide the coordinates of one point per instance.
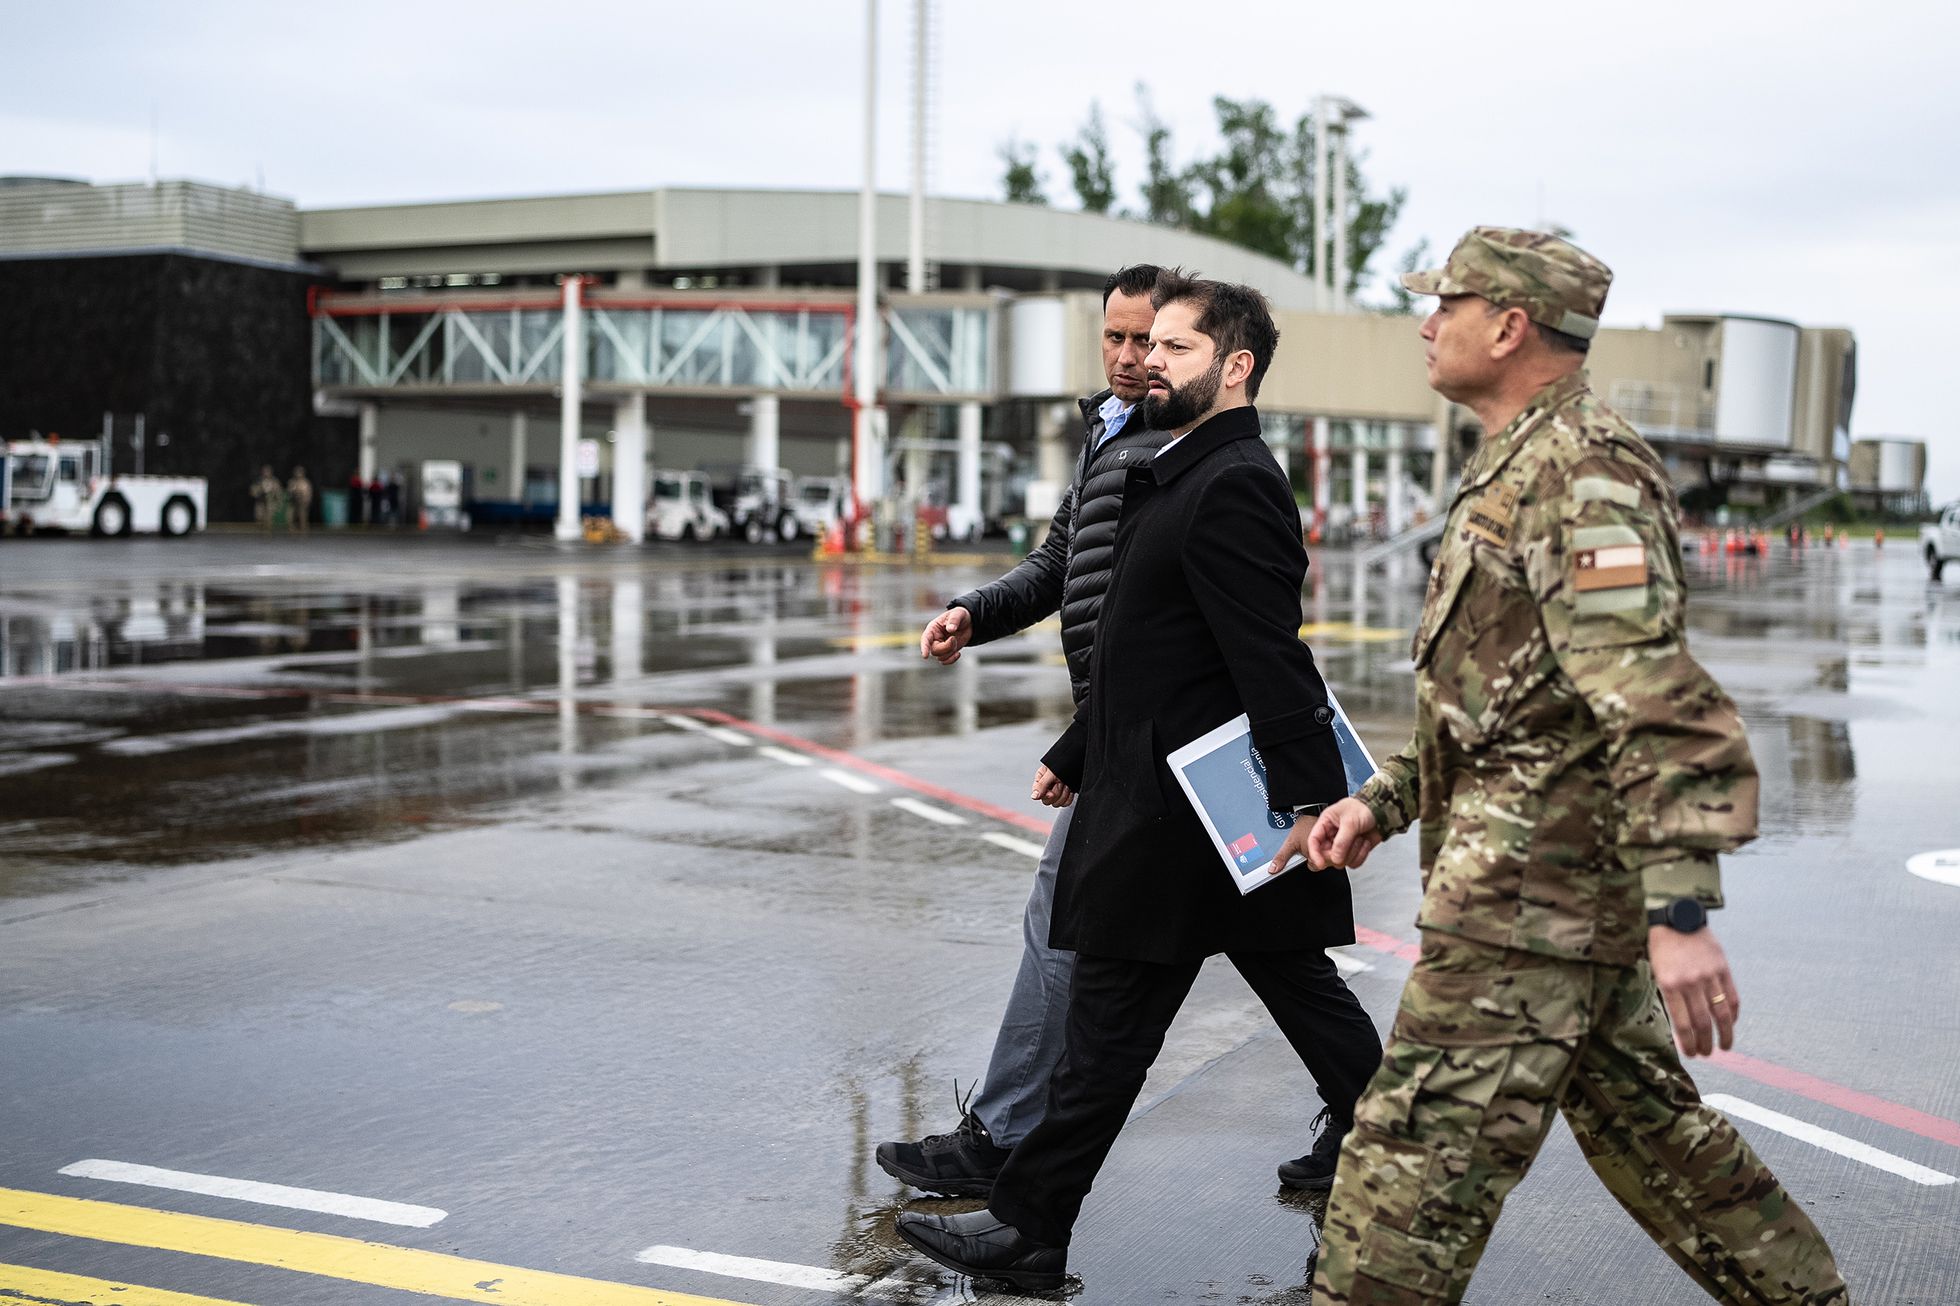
(1118, 1012)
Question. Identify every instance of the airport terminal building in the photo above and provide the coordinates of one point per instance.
(716, 328)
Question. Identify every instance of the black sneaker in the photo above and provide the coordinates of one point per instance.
(963, 1163)
(1315, 1170)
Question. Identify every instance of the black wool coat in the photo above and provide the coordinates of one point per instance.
(1200, 623)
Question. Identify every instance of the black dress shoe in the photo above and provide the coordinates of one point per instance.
(979, 1246)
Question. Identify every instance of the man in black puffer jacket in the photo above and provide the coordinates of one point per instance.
(1069, 572)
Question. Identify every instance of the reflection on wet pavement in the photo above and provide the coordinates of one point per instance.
(194, 718)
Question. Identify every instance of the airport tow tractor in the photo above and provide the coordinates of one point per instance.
(56, 484)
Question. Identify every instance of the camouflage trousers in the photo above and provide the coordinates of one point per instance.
(1487, 1045)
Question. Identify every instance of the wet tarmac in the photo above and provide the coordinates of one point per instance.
(616, 903)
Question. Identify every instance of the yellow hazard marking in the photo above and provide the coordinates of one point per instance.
(1348, 630)
(433, 1274)
(55, 1289)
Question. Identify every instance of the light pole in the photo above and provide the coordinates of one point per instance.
(1332, 114)
(867, 457)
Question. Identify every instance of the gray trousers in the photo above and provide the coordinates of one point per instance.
(1035, 1028)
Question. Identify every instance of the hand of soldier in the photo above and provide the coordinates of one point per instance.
(945, 635)
(1693, 975)
(1048, 787)
(1343, 836)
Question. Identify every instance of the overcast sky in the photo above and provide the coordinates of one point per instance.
(1793, 160)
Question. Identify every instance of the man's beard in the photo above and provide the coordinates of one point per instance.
(1185, 404)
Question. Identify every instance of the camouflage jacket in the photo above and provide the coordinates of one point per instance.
(1571, 762)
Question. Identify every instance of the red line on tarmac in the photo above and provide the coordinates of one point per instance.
(1938, 1129)
(885, 773)
(1848, 1099)
(1388, 943)
(1809, 1086)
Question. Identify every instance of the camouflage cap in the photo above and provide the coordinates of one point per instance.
(1555, 282)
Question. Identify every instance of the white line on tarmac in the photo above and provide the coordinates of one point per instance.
(938, 815)
(783, 755)
(246, 1190)
(735, 737)
(1939, 867)
(1829, 1141)
(1012, 844)
(685, 722)
(791, 1275)
(1348, 965)
(748, 1267)
(856, 784)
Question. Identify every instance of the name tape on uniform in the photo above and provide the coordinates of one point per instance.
(1490, 517)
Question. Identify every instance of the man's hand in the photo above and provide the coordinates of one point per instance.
(1343, 836)
(1693, 975)
(1048, 787)
(945, 635)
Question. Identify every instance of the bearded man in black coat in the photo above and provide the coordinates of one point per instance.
(1200, 623)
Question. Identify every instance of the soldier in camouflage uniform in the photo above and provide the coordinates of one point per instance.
(1576, 773)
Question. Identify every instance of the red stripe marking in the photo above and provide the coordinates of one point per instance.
(1797, 1082)
(1388, 943)
(885, 773)
(1847, 1099)
(1937, 1128)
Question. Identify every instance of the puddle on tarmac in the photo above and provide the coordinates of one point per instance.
(257, 725)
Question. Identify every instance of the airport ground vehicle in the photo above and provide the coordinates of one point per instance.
(682, 507)
(820, 502)
(67, 485)
(758, 502)
(1939, 544)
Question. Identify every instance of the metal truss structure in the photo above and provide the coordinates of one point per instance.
(786, 347)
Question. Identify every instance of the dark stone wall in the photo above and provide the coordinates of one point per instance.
(214, 354)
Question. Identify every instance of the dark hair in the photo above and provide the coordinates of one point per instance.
(1235, 317)
(1136, 279)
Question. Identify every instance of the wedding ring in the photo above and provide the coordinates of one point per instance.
(1719, 997)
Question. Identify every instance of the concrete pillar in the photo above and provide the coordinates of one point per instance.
(765, 431)
(629, 495)
(571, 379)
(970, 278)
(967, 474)
(520, 436)
(370, 439)
(1393, 481)
(1323, 473)
(918, 460)
(769, 276)
(1358, 489)
(1054, 456)
(1051, 279)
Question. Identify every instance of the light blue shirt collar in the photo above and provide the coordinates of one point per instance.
(1114, 413)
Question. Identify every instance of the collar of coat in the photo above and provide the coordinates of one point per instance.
(1214, 433)
(1499, 449)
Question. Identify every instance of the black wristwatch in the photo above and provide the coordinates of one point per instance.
(1683, 915)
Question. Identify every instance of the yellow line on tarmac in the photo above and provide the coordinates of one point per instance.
(1348, 630)
(433, 1274)
(22, 1282)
